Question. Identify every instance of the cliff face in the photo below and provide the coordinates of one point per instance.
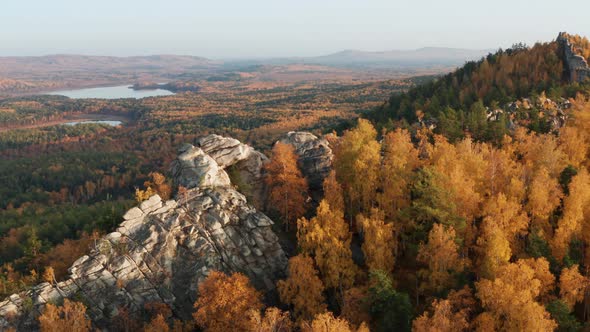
(163, 250)
(577, 66)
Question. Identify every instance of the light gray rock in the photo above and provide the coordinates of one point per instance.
(577, 67)
(193, 168)
(314, 156)
(242, 161)
(134, 213)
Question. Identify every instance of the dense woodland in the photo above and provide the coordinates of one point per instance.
(456, 103)
(61, 183)
(470, 224)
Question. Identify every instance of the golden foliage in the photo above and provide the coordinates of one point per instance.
(356, 309)
(142, 195)
(159, 185)
(542, 273)
(544, 196)
(333, 192)
(507, 214)
(572, 285)
(493, 248)
(327, 239)
(69, 317)
(400, 158)
(443, 319)
(509, 301)
(326, 322)
(379, 241)
(574, 214)
(303, 289)
(223, 300)
(274, 320)
(157, 324)
(356, 162)
(287, 188)
(441, 255)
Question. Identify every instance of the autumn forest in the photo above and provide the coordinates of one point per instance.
(451, 201)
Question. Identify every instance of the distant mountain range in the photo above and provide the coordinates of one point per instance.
(13, 66)
(423, 57)
(9, 66)
(30, 74)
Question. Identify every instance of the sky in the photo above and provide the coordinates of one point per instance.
(221, 29)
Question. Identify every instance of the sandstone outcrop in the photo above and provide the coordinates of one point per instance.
(314, 156)
(163, 250)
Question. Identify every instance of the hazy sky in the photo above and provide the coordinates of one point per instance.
(261, 28)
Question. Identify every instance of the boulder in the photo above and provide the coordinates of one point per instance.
(194, 168)
(314, 156)
(243, 163)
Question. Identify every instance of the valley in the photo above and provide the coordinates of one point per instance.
(382, 191)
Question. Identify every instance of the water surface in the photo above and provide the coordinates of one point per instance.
(111, 92)
(112, 123)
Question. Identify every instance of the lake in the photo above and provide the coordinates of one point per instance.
(112, 123)
(111, 92)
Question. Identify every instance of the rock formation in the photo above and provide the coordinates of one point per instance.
(245, 163)
(577, 67)
(163, 250)
(314, 156)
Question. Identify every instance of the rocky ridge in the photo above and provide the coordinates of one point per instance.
(164, 249)
(577, 67)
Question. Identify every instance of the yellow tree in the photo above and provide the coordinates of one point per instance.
(539, 151)
(572, 286)
(157, 324)
(355, 308)
(507, 214)
(326, 322)
(327, 239)
(544, 196)
(400, 158)
(159, 185)
(303, 289)
(356, 162)
(333, 192)
(378, 241)
(274, 320)
(574, 143)
(223, 300)
(510, 302)
(462, 168)
(493, 249)
(540, 267)
(142, 195)
(287, 188)
(573, 138)
(441, 255)
(443, 319)
(451, 314)
(69, 317)
(574, 206)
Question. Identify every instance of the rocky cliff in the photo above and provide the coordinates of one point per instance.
(163, 250)
(577, 67)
